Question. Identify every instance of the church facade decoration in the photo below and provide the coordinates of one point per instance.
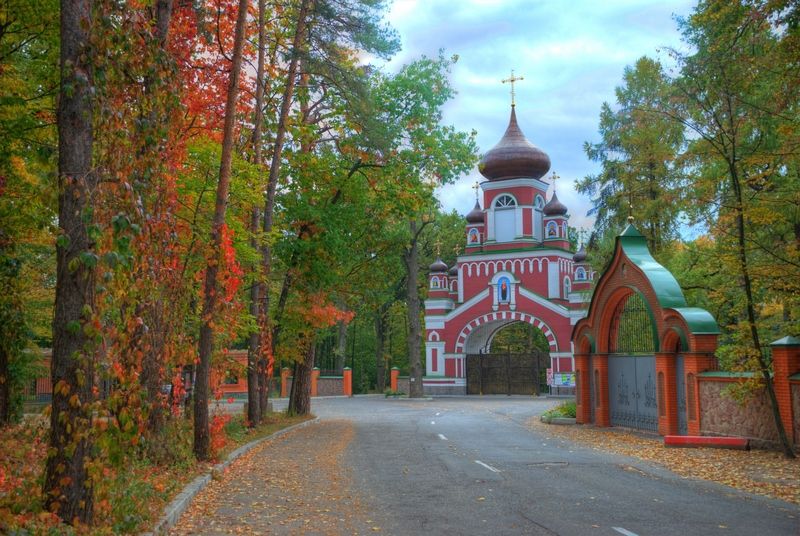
(517, 266)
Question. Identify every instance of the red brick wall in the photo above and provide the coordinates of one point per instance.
(796, 407)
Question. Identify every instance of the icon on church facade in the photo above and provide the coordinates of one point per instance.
(502, 290)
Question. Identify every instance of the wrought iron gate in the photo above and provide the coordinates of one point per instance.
(632, 391)
(507, 374)
(680, 382)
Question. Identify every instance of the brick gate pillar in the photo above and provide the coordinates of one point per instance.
(394, 376)
(583, 398)
(284, 382)
(314, 380)
(666, 393)
(347, 382)
(786, 362)
(600, 386)
(693, 364)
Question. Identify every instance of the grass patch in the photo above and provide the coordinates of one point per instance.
(133, 488)
(389, 392)
(565, 409)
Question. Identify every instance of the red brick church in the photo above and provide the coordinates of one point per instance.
(516, 267)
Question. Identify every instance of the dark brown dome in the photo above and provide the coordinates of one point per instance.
(438, 266)
(554, 207)
(514, 156)
(476, 214)
(453, 270)
(580, 255)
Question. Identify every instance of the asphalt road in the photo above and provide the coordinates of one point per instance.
(472, 466)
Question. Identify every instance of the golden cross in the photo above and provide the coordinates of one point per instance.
(457, 250)
(438, 246)
(475, 187)
(555, 178)
(511, 81)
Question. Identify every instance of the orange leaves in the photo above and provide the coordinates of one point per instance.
(217, 430)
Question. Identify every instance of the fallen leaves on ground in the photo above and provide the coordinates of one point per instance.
(294, 484)
(755, 471)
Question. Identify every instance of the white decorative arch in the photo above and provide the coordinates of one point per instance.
(506, 317)
(500, 197)
(433, 336)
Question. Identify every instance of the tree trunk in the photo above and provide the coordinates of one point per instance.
(744, 268)
(380, 344)
(411, 259)
(206, 344)
(5, 388)
(341, 346)
(68, 488)
(254, 344)
(275, 164)
(254, 354)
(152, 367)
(300, 398)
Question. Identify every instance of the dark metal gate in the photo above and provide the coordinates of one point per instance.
(632, 367)
(632, 391)
(680, 381)
(507, 374)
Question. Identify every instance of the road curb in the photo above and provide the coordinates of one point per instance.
(174, 509)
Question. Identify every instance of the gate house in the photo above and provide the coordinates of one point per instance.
(640, 349)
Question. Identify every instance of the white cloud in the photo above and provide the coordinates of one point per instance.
(572, 55)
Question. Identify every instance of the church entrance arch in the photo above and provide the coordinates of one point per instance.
(510, 357)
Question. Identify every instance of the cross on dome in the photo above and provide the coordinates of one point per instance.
(475, 187)
(511, 81)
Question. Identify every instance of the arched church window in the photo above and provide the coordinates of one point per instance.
(552, 230)
(473, 237)
(538, 205)
(435, 282)
(505, 218)
(580, 274)
(567, 287)
(503, 290)
(505, 201)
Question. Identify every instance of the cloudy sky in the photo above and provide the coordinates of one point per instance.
(570, 52)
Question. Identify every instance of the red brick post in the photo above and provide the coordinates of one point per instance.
(785, 362)
(314, 380)
(602, 416)
(693, 364)
(284, 382)
(666, 393)
(394, 376)
(583, 397)
(347, 379)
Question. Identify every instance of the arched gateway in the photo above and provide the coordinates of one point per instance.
(516, 267)
(639, 350)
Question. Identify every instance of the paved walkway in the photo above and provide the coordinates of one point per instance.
(293, 485)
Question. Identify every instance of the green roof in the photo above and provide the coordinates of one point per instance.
(668, 291)
(786, 341)
(699, 320)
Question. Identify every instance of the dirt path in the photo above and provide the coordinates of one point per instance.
(271, 490)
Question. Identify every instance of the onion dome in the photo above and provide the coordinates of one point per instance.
(438, 266)
(453, 271)
(514, 156)
(554, 207)
(580, 255)
(476, 214)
